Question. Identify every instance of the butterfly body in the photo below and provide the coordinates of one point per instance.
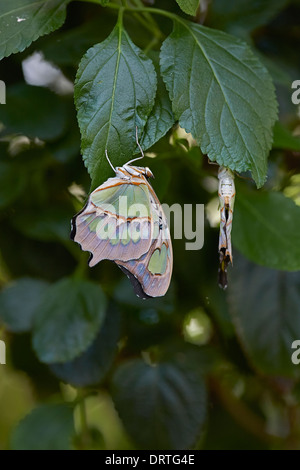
(123, 221)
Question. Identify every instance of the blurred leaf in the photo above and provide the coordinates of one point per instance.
(12, 182)
(284, 139)
(161, 118)
(18, 303)
(91, 367)
(47, 121)
(68, 320)
(188, 6)
(114, 92)
(161, 406)
(266, 229)
(240, 17)
(47, 427)
(51, 223)
(233, 105)
(16, 398)
(269, 321)
(23, 21)
(216, 302)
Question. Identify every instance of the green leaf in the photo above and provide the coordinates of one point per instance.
(12, 183)
(188, 6)
(222, 94)
(21, 115)
(161, 118)
(266, 229)
(47, 427)
(23, 21)
(284, 139)
(91, 367)
(161, 406)
(269, 321)
(114, 92)
(68, 319)
(18, 303)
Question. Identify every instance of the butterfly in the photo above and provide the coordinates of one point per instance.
(123, 221)
(226, 197)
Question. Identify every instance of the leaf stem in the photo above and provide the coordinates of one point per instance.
(120, 16)
(148, 17)
(150, 46)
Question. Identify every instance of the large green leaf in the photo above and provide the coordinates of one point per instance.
(265, 305)
(114, 93)
(23, 21)
(161, 118)
(266, 229)
(161, 406)
(18, 303)
(188, 6)
(91, 367)
(47, 427)
(222, 94)
(68, 319)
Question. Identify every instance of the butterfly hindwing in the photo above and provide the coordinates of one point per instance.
(151, 274)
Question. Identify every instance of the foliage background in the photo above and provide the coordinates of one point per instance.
(89, 365)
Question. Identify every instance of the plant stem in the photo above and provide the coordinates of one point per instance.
(146, 11)
(150, 46)
(245, 417)
(149, 18)
(155, 11)
(156, 32)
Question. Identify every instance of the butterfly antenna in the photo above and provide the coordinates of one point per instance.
(106, 154)
(138, 144)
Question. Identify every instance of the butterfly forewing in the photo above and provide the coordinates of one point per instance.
(116, 222)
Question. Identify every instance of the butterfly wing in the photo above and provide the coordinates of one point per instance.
(116, 222)
(151, 274)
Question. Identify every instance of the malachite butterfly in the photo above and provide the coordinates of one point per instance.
(123, 221)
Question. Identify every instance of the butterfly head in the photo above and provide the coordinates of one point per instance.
(128, 171)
